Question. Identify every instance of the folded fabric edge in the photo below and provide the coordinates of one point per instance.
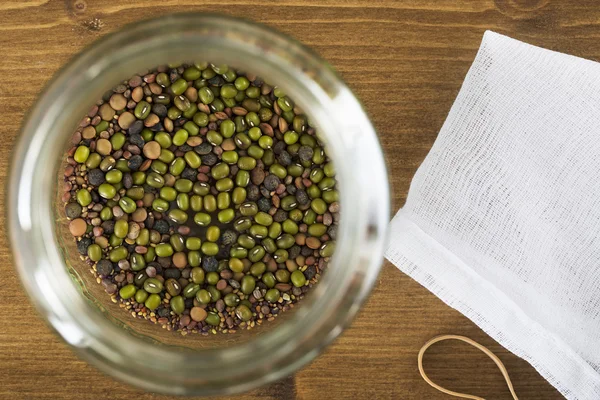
(437, 269)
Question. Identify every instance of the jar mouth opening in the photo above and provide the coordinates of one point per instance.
(348, 136)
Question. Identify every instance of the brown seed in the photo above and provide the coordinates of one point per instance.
(226, 274)
(276, 201)
(155, 88)
(180, 260)
(283, 125)
(237, 110)
(220, 115)
(300, 239)
(76, 138)
(89, 132)
(126, 119)
(257, 175)
(334, 207)
(151, 120)
(152, 150)
(137, 94)
(145, 165)
(141, 249)
(184, 230)
(101, 241)
(194, 141)
(228, 144)
(117, 101)
(78, 227)
(204, 108)
(85, 122)
(198, 314)
(192, 94)
(221, 284)
(313, 242)
(103, 147)
(284, 287)
(106, 112)
(168, 124)
(184, 320)
(139, 215)
(266, 129)
(135, 81)
(202, 177)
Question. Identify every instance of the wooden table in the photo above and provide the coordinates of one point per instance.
(406, 61)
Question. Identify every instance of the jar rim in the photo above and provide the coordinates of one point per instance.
(343, 125)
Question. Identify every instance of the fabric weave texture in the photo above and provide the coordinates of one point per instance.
(502, 220)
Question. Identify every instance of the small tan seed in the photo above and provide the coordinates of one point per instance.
(78, 227)
(198, 314)
(103, 147)
(126, 119)
(117, 101)
(152, 150)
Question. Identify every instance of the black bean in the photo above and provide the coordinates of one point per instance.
(95, 196)
(210, 264)
(280, 216)
(136, 128)
(305, 153)
(302, 197)
(149, 189)
(189, 173)
(279, 147)
(163, 312)
(294, 251)
(306, 251)
(161, 226)
(216, 81)
(332, 232)
(291, 189)
(83, 245)
(95, 177)
(264, 204)
(172, 273)
(136, 139)
(185, 147)
(252, 192)
(310, 272)
(73, 210)
(127, 180)
(223, 252)
(271, 182)
(149, 222)
(164, 262)
(229, 237)
(104, 268)
(209, 159)
(173, 75)
(203, 148)
(135, 162)
(157, 127)
(108, 226)
(160, 110)
(284, 158)
(265, 192)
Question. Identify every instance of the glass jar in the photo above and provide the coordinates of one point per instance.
(139, 352)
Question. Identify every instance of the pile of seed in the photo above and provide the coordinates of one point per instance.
(201, 198)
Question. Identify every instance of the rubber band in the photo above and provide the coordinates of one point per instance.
(474, 344)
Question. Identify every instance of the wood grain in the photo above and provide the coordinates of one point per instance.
(406, 61)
